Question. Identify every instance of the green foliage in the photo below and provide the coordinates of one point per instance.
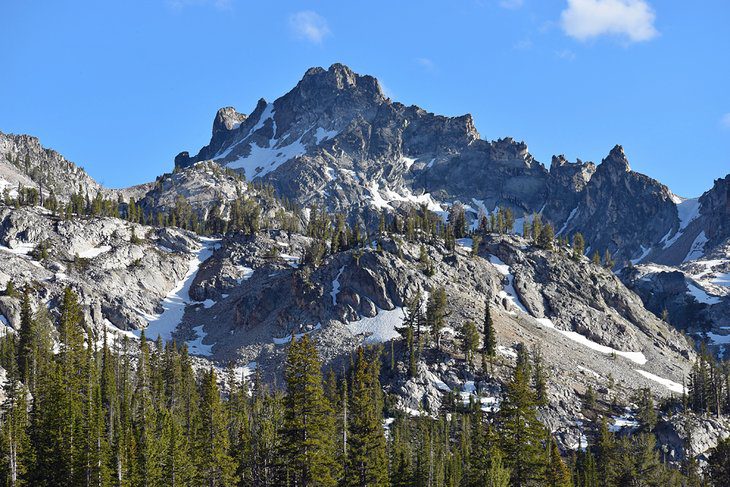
(521, 433)
(367, 462)
(579, 245)
(308, 424)
(113, 411)
(718, 464)
(489, 347)
(545, 239)
(436, 314)
(469, 341)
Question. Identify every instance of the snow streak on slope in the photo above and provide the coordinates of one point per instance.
(336, 286)
(637, 357)
(570, 217)
(174, 304)
(262, 160)
(508, 292)
(687, 211)
(510, 295)
(698, 248)
(669, 384)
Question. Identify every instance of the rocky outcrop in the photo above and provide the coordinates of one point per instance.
(24, 161)
(622, 211)
(688, 434)
(120, 279)
(335, 140)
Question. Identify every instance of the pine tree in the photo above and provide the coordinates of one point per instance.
(557, 474)
(608, 262)
(539, 377)
(718, 464)
(216, 468)
(546, 237)
(16, 450)
(367, 463)
(646, 414)
(27, 352)
(436, 314)
(308, 423)
(469, 341)
(520, 430)
(411, 331)
(489, 346)
(578, 246)
(605, 455)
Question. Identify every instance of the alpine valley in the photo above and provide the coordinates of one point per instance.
(408, 250)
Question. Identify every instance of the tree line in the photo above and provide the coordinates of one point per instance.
(83, 409)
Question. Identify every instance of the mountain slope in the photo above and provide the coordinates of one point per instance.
(336, 141)
(24, 161)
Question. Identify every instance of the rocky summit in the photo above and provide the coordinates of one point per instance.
(337, 214)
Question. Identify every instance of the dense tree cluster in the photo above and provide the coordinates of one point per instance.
(91, 410)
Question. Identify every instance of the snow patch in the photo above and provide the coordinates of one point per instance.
(465, 243)
(287, 339)
(722, 280)
(262, 160)
(292, 260)
(93, 252)
(508, 291)
(196, 346)
(381, 327)
(322, 134)
(701, 296)
(336, 286)
(22, 248)
(178, 298)
(719, 339)
(669, 384)
(698, 247)
(507, 352)
(687, 211)
(408, 161)
(246, 273)
(5, 327)
(637, 357)
(626, 420)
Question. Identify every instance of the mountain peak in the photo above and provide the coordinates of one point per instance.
(226, 119)
(617, 159)
(339, 77)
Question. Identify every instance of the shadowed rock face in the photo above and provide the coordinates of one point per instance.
(715, 210)
(621, 210)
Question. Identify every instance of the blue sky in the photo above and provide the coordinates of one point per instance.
(121, 87)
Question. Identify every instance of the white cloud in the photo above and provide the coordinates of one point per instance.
(523, 45)
(309, 26)
(587, 19)
(426, 63)
(725, 121)
(511, 4)
(566, 54)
